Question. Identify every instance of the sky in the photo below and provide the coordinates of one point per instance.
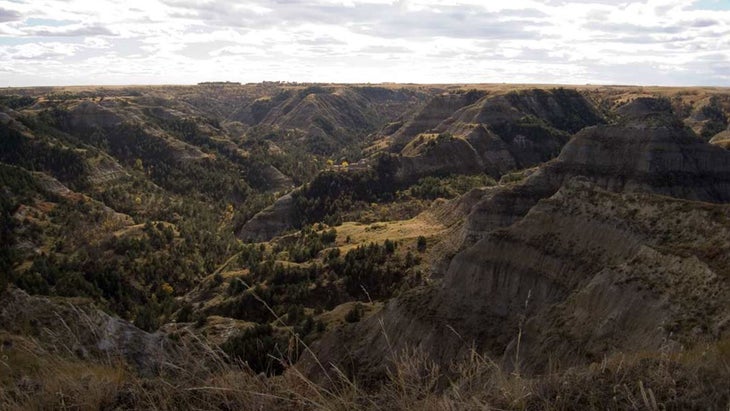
(102, 42)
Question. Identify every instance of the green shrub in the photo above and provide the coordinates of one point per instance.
(355, 313)
(259, 348)
(421, 244)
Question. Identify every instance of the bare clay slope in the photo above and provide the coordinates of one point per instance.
(647, 150)
(80, 330)
(332, 118)
(605, 262)
(495, 134)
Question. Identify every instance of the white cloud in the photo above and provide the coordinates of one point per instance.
(671, 42)
(8, 15)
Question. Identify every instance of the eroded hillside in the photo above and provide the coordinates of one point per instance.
(526, 235)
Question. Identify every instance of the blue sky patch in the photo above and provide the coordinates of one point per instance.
(712, 5)
(47, 22)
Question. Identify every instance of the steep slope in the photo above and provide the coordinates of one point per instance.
(438, 109)
(270, 222)
(721, 139)
(497, 134)
(604, 272)
(333, 118)
(647, 150)
(102, 196)
(543, 249)
(585, 274)
(88, 333)
(130, 196)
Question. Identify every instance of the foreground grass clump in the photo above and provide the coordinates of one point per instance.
(33, 378)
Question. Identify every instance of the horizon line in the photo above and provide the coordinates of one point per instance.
(229, 83)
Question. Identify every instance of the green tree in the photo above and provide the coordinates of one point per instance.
(421, 244)
(355, 313)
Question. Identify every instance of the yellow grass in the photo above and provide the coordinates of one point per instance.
(234, 273)
(336, 316)
(359, 233)
(130, 231)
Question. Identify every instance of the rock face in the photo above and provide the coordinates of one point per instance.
(612, 271)
(91, 115)
(643, 153)
(331, 117)
(562, 109)
(494, 134)
(106, 169)
(664, 160)
(721, 139)
(338, 110)
(593, 273)
(442, 157)
(587, 256)
(270, 222)
(82, 330)
(437, 110)
(276, 180)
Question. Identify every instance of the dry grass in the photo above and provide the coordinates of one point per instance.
(34, 378)
(194, 375)
(413, 382)
(405, 230)
(336, 316)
